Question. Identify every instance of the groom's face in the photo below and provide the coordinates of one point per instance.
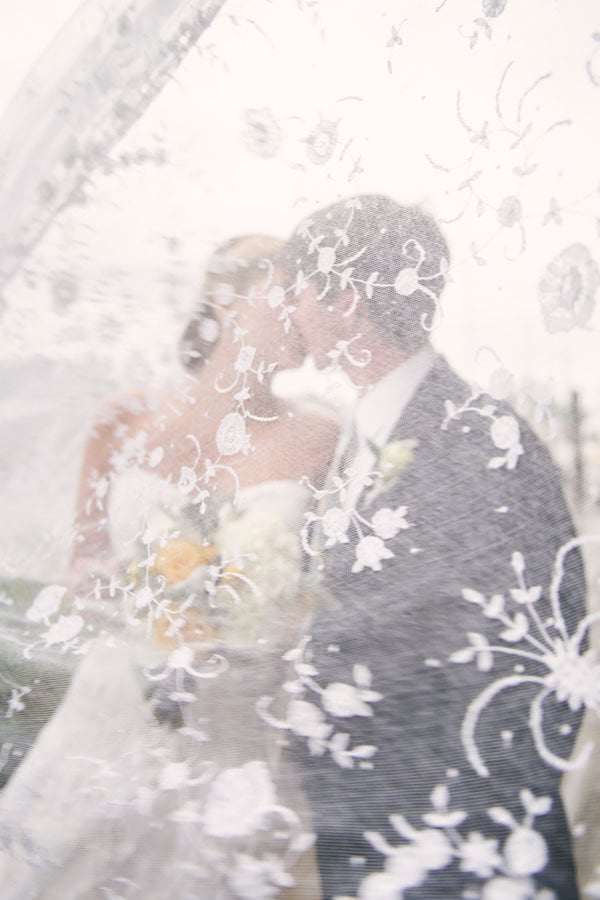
(319, 323)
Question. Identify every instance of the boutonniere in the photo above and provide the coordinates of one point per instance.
(390, 461)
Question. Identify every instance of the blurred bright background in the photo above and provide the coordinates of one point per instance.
(280, 108)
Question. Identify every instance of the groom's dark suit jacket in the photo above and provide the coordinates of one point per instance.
(405, 621)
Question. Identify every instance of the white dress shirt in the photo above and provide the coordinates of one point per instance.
(378, 411)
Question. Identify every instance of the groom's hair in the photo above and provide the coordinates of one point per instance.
(374, 236)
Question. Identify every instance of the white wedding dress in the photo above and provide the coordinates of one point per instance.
(111, 803)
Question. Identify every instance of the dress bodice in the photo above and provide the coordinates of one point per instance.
(140, 499)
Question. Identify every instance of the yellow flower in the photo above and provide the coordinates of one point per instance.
(178, 558)
(133, 573)
(395, 457)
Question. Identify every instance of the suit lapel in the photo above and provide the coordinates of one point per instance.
(425, 411)
(422, 418)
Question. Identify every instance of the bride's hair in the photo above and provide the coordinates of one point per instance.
(229, 273)
(400, 249)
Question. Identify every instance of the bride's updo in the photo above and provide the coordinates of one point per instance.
(229, 274)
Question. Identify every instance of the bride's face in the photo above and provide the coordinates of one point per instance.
(264, 327)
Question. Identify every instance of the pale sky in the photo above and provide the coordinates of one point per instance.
(395, 126)
(26, 29)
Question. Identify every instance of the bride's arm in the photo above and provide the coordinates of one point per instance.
(92, 550)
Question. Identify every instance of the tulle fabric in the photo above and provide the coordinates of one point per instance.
(299, 315)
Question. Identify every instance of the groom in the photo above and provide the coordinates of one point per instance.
(436, 578)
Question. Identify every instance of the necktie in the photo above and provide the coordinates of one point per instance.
(348, 451)
(357, 464)
(343, 458)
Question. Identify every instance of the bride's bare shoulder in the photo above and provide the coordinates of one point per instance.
(123, 407)
(125, 414)
(120, 415)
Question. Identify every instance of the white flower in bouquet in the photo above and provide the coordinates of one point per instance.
(261, 575)
(158, 525)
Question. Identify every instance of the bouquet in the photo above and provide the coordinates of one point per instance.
(214, 572)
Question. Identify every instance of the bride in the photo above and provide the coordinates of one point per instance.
(143, 448)
(156, 777)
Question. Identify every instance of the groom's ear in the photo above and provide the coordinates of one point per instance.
(349, 306)
(352, 313)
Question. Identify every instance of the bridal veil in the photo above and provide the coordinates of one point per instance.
(301, 473)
